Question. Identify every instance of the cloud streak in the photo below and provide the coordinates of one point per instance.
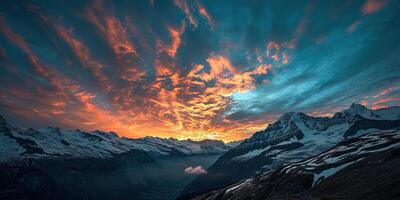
(216, 70)
(371, 6)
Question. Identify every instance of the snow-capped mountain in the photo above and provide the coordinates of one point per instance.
(364, 167)
(17, 144)
(51, 163)
(389, 113)
(293, 137)
(234, 143)
(160, 146)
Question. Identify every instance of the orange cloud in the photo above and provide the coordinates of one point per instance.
(115, 33)
(371, 6)
(83, 53)
(277, 52)
(384, 92)
(184, 6)
(262, 69)
(382, 99)
(175, 34)
(203, 12)
(285, 58)
(23, 45)
(13, 37)
(67, 102)
(383, 102)
(189, 109)
(178, 104)
(117, 37)
(163, 64)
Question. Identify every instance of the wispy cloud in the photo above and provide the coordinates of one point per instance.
(189, 69)
(185, 7)
(371, 6)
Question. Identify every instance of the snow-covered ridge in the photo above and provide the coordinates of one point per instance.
(321, 167)
(317, 131)
(345, 154)
(389, 113)
(295, 136)
(17, 144)
(373, 142)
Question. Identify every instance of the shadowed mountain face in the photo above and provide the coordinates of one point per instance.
(132, 175)
(294, 137)
(358, 168)
(124, 175)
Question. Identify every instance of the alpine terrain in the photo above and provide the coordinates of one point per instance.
(54, 164)
(294, 137)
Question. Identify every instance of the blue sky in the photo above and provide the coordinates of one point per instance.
(193, 69)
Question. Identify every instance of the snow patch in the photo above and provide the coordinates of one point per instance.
(329, 172)
(251, 154)
(236, 187)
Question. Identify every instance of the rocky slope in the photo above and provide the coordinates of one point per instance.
(365, 167)
(293, 137)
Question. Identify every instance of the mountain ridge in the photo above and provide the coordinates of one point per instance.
(293, 137)
(52, 142)
(372, 158)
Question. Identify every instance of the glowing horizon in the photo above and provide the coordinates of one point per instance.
(193, 69)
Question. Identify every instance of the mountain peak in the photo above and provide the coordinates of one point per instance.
(358, 107)
(291, 116)
(2, 121)
(287, 116)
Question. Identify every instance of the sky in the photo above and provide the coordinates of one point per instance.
(193, 69)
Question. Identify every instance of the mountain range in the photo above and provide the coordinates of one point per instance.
(294, 137)
(52, 142)
(297, 157)
(51, 163)
(365, 167)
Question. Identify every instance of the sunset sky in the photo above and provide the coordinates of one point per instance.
(193, 69)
